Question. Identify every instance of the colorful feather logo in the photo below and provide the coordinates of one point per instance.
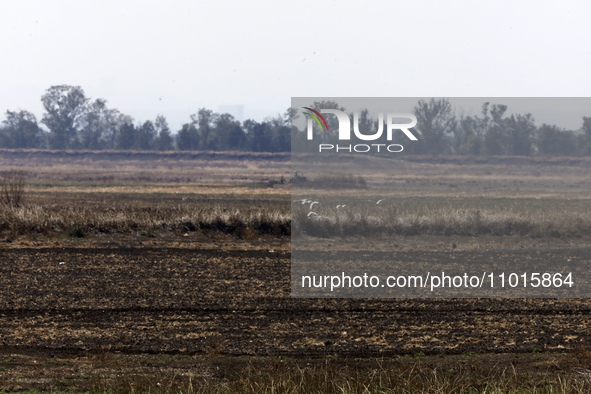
(316, 115)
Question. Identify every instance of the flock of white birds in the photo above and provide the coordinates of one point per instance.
(315, 215)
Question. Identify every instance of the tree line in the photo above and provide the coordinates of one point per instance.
(441, 131)
(73, 121)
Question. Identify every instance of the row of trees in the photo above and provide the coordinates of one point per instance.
(73, 121)
(440, 131)
(494, 133)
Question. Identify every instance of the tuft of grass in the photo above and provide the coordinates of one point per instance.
(221, 374)
(76, 230)
(367, 220)
(12, 188)
(80, 221)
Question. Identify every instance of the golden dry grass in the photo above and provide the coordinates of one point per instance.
(470, 217)
(80, 221)
(161, 373)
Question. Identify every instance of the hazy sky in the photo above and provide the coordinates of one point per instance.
(154, 57)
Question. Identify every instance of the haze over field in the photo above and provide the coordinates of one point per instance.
(150, 57)
(152, 243)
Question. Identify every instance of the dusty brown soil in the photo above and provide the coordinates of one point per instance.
(129, 311)
(182, 300)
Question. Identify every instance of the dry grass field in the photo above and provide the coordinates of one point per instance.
(146, 272)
